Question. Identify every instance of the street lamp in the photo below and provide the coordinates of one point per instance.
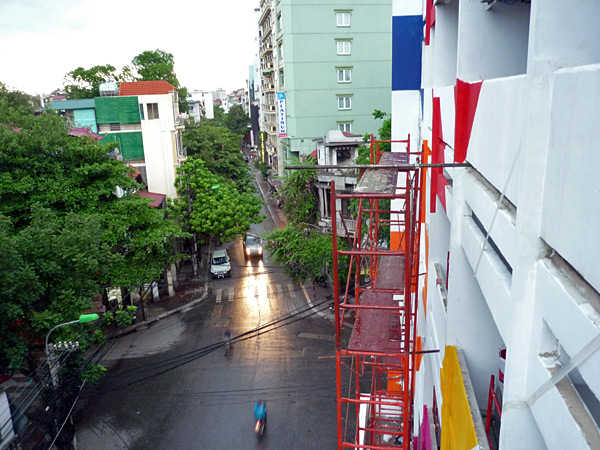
(84, 318)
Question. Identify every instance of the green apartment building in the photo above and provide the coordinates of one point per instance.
(332, 62)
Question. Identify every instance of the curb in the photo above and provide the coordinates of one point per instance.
(132, 328)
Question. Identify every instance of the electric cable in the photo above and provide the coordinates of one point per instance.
(209, 348)
(173, 363)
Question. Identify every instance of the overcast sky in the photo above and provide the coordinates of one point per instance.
(213, 41)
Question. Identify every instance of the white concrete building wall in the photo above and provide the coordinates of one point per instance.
(532, 140)
(159, 138)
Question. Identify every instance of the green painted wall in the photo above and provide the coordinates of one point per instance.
(117, 110)
(131, 144)
(309, 34)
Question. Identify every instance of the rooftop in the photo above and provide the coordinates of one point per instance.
(145, 87)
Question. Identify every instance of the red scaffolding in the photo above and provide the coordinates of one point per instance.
(380, 356)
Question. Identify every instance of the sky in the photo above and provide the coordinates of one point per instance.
(213, 42)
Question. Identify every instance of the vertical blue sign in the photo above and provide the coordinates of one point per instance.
(281, 114)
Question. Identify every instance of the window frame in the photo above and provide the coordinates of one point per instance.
(339, 19)
(152, 111)
(343, 125)
(339, 44)
(341, 74)
(344, 102)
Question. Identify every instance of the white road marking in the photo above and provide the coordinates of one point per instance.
(219, 293)
(279, 291)
(291, 290)
(231, 293)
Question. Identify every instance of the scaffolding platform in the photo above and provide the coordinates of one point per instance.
(381, 181)
(371, 332)
(390, 275)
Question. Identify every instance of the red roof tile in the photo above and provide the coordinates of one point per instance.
(85, 132)
(156, 198)
(145, 87)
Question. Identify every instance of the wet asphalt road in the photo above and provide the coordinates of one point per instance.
(167, 388)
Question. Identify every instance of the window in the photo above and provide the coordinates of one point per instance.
(343, 19)
(344, 102)
(343, 47)
(344, 75)
(280, 50)
(345, 127)
(142, 111)
(281, 78)
(114, 126)
(152, 111)
(279, 22)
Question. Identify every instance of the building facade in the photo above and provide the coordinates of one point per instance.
(510, 303)
(324, 66)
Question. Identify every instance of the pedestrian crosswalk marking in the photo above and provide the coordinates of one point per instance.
(291, 290)
(231, 294)
(279, 291)
(219, 293)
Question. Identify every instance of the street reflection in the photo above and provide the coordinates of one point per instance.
(256, 292)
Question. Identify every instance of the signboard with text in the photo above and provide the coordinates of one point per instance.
(281, 114)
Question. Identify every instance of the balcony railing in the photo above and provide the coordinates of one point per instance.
(345, 228)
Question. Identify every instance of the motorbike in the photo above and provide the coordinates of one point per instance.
(321, 280)
(259, 428)
(260, 416)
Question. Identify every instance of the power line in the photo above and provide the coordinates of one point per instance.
(173, 363)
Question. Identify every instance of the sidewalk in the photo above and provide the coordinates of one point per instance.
(277, 215)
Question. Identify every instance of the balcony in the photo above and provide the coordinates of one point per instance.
(345, 228)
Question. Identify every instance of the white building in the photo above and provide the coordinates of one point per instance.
(201, 105)
(220, 97)
(510, 244)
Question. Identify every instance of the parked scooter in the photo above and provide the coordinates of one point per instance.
(321, 280)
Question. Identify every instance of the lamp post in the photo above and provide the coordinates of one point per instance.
(70, 346)
(194, 252)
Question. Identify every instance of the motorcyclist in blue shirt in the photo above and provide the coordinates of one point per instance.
(260, 411)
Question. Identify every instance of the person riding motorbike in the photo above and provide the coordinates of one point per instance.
(260, 415)
(227, 339)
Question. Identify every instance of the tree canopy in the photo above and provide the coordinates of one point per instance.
(85, 83)
(298, 194)
(147, 66)
(237, 121)
(225, 212)
(219, 149)
(304, 253)
(65, 233)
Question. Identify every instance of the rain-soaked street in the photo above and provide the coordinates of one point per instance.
(168, 388)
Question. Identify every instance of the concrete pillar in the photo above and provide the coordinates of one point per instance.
(171, 279)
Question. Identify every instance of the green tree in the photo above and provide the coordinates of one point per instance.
(160, 65)
(219, 149)
(304, 253)
(225, 212)
(64, 231)
(237, 120)
(17, 99)
(219, 114)
(298, 194)
(85, 83)
(385, 134)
